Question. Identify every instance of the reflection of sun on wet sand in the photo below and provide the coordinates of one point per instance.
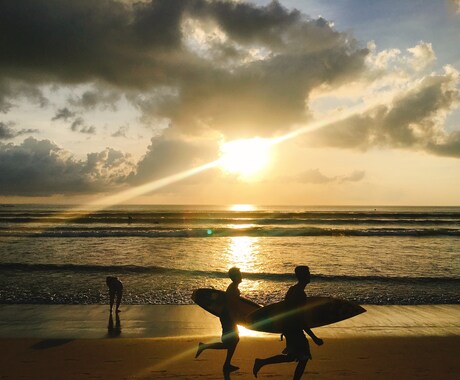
(404, 342)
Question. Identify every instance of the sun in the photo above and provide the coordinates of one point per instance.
(246, 157)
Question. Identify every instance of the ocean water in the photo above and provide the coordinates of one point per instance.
(371, 255)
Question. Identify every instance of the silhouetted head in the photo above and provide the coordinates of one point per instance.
(302, 272)
(235, 274)
(109, 280)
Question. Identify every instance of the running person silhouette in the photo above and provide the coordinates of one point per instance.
(230, 337)
(297, 347)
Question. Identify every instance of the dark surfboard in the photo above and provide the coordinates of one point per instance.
(213, 301)
(317, 311)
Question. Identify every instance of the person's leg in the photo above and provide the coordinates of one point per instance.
(230, 339)
(209, 346)
(119, 296)
(299, 369)
(259, 363)
(231, 347)
(112, 298)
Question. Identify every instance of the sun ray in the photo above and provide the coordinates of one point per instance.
(265, 144)
(134, 192)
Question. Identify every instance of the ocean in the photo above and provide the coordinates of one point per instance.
(369, 255)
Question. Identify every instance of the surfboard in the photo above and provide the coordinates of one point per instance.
(318, 311)
(213, 301)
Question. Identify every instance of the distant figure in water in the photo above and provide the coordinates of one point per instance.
(115, 289)
(230, 337)
(297, 347)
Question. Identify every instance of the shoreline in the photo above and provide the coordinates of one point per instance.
(156, 321)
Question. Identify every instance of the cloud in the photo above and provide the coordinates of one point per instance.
(356, 176)
(244, 70)
(450, 146)
(41, 168)
(77, 124)
(121, 132)
(97, 98)
(413, 120)
(422, 56)
(455, 5)
(314, 176)
(13, 90)
(7, 133)
(227, 68)
(90, 130)
(64, 114)
(166, 156)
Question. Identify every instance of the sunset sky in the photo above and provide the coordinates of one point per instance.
(357, 99)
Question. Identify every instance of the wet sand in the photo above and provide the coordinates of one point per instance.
(159, 342)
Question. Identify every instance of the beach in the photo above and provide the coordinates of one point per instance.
(400, 263)
(159, 342)
(279, 164)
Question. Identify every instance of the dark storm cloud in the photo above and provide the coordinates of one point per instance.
(41, 168)
(141, 46)
(7, 132)
(83, 40)
(410, 121)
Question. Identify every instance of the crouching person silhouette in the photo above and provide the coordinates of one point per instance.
(115, 289)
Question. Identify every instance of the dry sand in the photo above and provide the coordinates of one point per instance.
(387, 342)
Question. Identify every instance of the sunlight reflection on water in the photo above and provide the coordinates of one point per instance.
(242, 252)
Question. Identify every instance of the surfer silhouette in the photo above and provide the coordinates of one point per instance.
(297, 347)
(230, 337)
(115, 289)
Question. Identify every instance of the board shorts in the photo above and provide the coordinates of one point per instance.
(297, 345)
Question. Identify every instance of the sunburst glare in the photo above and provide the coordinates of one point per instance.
(246, 157)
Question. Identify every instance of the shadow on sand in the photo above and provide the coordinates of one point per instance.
(114, 330)
(49, 343)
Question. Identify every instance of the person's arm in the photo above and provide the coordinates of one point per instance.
(311, 334)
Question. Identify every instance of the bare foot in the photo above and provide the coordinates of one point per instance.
(257, 367)
(199, 350)
(230, 368)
